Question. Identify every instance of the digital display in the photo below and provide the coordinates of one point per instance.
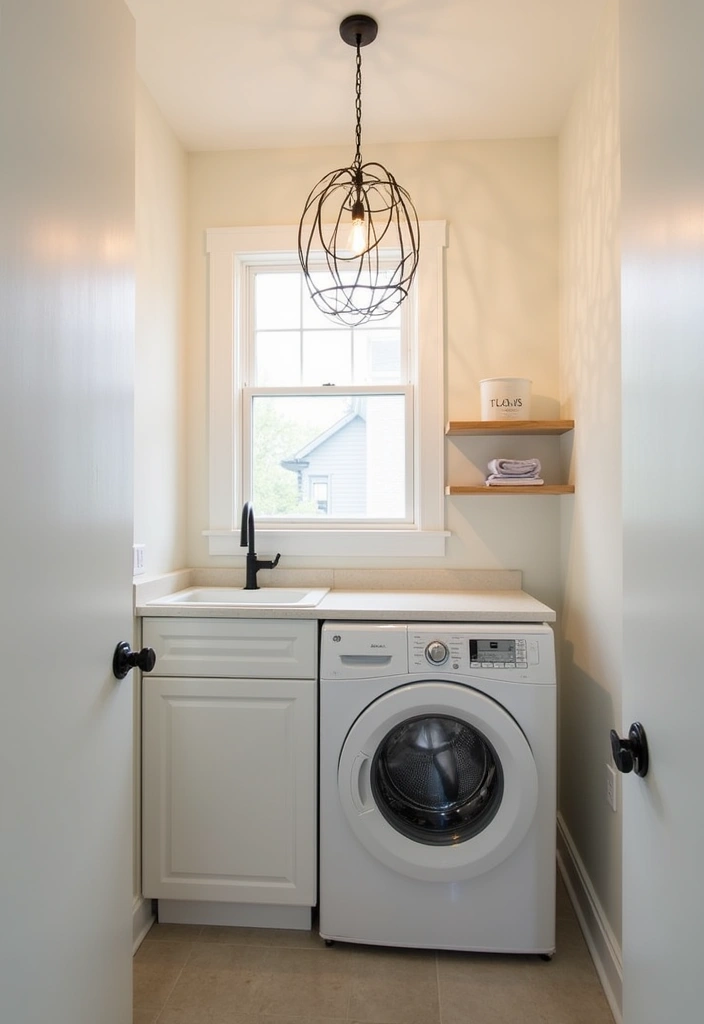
(492, 650)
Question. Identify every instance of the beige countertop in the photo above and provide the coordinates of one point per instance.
(483, 605)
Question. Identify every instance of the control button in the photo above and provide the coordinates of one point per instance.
(521, 664)
(487, 664)
(475, 664)
(455, 664)
(436, 652)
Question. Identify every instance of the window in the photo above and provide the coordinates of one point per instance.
(334, 433)
(322, 400)
(320, 494)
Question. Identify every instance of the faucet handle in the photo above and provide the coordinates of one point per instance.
(270, 565)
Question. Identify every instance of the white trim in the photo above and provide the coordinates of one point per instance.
(222, 409)
(143, 918)
(430, 427)
(230, 248)
(602, 943)
(326, 543)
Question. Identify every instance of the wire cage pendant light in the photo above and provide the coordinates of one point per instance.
(359, 237)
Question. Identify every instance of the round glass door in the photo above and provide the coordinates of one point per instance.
(436, 779)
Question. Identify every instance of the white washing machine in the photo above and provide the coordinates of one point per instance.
(437, 785)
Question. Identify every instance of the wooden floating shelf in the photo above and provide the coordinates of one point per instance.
(538, 489)
(487, 427)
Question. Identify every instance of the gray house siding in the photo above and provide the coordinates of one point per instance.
(342, 460)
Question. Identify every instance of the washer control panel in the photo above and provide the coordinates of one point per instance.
(513, 652)
(458, 652)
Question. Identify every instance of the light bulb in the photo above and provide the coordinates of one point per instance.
(357, 241)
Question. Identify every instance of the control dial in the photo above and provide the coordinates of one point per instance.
(436, 652)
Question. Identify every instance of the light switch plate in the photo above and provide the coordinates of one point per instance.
(137, 559)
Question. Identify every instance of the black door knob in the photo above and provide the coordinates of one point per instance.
(125, 659)
(631, 754)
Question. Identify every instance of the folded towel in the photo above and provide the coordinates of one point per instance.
(515, 467)
(513, 481)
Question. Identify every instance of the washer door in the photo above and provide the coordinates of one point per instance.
(437, 781)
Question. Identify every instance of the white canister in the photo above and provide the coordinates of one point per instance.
(505, 398)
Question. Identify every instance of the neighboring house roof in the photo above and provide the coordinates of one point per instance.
(299, 460)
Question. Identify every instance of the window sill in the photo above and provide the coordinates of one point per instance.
(327, 543)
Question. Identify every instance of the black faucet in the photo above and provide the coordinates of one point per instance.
(254, 564)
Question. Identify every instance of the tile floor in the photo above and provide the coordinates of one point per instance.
(194, 975)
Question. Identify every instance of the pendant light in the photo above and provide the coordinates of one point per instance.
(351, 217)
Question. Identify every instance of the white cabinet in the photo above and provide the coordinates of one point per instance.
(229, 764)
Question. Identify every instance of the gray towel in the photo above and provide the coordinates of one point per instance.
(515, 467)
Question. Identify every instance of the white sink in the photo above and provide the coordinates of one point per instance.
(265, 597)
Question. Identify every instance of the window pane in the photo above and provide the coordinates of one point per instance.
(393, 319)
(312, 316)
(327, 357)
(277, 359)
(339, 457)
(277, 301)
(377, 356)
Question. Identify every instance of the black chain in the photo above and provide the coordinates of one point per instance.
(358, 106)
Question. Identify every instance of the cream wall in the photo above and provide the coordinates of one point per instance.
(590, 691)
(160, 404)
(500, 201)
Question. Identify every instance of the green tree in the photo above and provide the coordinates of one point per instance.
(276, 437)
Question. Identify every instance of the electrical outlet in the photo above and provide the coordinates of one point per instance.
(611, 786)
(137, 559)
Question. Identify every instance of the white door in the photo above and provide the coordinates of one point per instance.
(66, 350)
(663, 504)
(437, 781)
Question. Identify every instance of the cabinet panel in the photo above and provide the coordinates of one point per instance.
(260, 648)
(230, 790)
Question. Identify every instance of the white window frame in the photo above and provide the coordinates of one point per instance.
(231, 251)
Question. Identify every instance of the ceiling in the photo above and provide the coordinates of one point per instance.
(230, 74)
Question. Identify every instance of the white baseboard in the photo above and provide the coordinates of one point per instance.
(143, 918)
(248, 915)
(601, 941)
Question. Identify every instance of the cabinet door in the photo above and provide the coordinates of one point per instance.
(230, 790)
